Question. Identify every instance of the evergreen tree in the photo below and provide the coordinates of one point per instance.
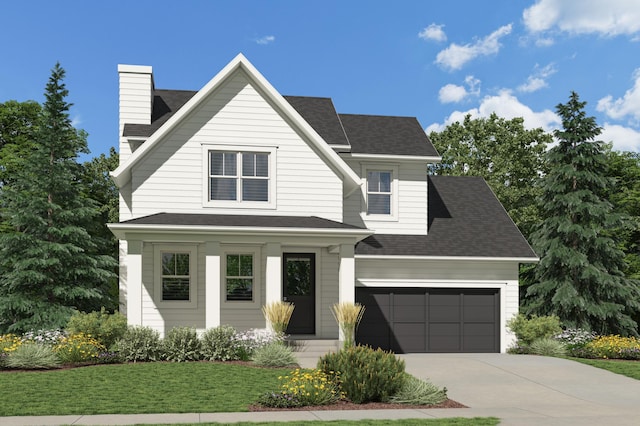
(45, 258)
(580, 277)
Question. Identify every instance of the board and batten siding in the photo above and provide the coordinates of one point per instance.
(171, 178)
(411, 218)
(502, 275)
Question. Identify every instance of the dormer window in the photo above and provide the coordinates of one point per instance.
(379, 193)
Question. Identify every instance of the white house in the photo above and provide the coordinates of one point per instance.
(235, 196)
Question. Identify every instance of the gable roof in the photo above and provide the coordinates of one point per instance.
(165, 104)
(465, 220)
(322, 116)
(350, 179)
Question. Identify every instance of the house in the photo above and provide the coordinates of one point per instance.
(234, 196)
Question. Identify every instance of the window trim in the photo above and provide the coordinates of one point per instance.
(257, 277)
(380, 167)
(239, 149)
(192, 250)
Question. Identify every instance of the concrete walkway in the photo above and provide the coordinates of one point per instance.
(519, 389)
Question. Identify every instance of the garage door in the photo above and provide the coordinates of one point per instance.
(407, 320)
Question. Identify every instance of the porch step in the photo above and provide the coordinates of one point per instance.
(308, 351)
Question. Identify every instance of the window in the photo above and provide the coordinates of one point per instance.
(239, 277)
(176, 278)
(238, 176)
(379, 192)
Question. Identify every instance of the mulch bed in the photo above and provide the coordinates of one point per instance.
(346, 405)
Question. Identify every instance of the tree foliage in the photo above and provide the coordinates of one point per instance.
(508, 156)
(48, 260)
(580, 277)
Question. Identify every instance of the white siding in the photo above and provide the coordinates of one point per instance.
(411, 202)
(171, 178)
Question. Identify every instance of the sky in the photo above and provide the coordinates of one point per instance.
(437, 61)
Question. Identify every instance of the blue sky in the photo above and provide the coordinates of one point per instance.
(436, 61)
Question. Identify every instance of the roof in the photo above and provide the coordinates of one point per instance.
(465, 220)
(257, 221)
(367, 134)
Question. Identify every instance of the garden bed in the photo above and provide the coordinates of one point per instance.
(346, 405)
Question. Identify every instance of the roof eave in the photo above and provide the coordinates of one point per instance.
(518, 259)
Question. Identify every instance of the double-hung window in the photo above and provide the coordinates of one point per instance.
(239, 277)
(175, 275)
(238, 176)
(379, 195)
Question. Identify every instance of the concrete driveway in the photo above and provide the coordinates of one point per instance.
(530, 390)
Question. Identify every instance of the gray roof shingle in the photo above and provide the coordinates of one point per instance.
(256, 221)
(322, 116)
(465, 219)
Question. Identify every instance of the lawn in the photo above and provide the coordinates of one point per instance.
(136, 389)
(454, 421)
(626, 368)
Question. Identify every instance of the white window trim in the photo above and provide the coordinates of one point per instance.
(235, 204)
(192, 250)
(257, 277)
(380, 167)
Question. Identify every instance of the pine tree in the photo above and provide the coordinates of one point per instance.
(580, 277)
(45, 258)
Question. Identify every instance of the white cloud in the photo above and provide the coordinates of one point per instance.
(266, 39)
(433, 32)
(628, 105)
(454, 93)
(607, 18)
(507, 106)
(623, 138)
(538, 80)
(455, 56)
(76, 121)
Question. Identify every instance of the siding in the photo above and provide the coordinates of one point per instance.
(171, 177)
(135, 101)
(412, 200)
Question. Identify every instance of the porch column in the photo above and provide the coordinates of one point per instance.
(273, 273)
(212, 285)
(347, 274)
(134, 282)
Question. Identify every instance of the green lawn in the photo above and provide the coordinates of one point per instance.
(454, 421)
(136, 389)
(626, 368)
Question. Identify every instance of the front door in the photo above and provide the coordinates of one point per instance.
(299, 288)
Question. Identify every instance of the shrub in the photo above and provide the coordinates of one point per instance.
(32, 356)
(139, 344)
(575, 341)
(348, 316)
(419, 392)
(614, 347)
(44, 337)
(78, 348)
(365, 374)
(181, 344)
(274, 354)
(256, 338)
(303, 388)
(278, 314)
(528, 330)
(220, 344)
(105, 327)
(548, 346)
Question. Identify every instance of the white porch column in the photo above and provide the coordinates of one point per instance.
(347, 274)
(212, 285)
(273, 275)
(134, 282)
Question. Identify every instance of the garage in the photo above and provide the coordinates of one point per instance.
(406, 320)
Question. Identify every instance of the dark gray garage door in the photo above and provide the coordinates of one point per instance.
(407, 320)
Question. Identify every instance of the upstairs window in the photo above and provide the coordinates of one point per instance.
(238, 176)
(379, 192)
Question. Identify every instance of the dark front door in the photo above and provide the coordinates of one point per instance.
(299, 288)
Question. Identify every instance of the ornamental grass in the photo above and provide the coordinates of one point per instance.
(278, 315)
(348, 316)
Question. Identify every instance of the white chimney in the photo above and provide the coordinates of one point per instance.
(136, 100)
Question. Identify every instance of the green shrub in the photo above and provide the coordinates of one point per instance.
(302, 388)
(32, 356)
(105, 327)
(575, 341)
(528, 330)
(181, 344)
(78, 348)
(366, 375)
(139, 344)
(614, 347)
(548, 346)
(274, 355)
(419, 392)
(220, 344)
